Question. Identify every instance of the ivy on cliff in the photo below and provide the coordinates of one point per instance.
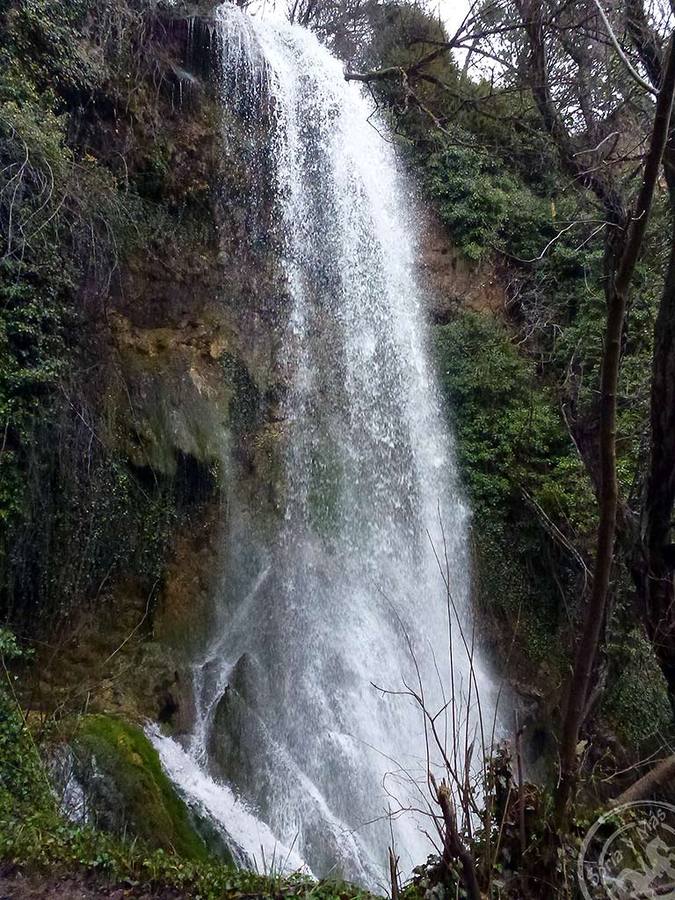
(78, 119)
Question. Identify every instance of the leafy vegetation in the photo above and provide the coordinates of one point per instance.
(485, 206)
(512, 440)
(93, 175)
(522, 475)
(522, 386)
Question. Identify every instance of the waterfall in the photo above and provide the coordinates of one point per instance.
(302, 711)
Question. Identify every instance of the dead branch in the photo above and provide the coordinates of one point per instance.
(453, 847)
(393, 875)
(662, 774)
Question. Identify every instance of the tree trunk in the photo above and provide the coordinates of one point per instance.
(594, 617)
(616, 292)
(658, 588)
(655, 555)
(453, 847)
(662, 774)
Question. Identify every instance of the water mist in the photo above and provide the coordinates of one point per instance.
(298, 740)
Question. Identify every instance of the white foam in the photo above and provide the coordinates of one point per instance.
(239, 823)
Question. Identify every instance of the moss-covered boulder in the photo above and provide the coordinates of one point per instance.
(127, 791)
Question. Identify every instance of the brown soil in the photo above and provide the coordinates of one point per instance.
(18, 885)
(454, 282)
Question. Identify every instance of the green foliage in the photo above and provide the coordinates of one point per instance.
(23, 783)
(398, 28)
(54, 846)
(33, 832)
(46, 37)
(32, 356)
(520, 471)
(80, 128)
(35, 279)
(485, 207)
(515, 588)
(512, 442)
(9, 646)
(495, 179)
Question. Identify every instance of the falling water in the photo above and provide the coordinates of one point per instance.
(351, 594)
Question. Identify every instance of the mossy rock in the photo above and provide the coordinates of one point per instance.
(636, 703)
(128, 790)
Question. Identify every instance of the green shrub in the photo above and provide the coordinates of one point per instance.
(512, 442)
(520, 469)
(24, 787)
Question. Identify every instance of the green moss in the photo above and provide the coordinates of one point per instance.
(33, 834)
(150, 806)
(636, 701)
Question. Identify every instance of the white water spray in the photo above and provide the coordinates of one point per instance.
(351, 594)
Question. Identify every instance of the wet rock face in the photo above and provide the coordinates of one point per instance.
(185, 402)
(240, 747)
(196, 322)
(237, 727)
(196, 386)
(125, 787)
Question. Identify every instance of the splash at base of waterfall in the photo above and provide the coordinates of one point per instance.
(251, 842)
